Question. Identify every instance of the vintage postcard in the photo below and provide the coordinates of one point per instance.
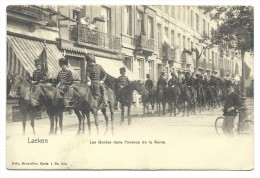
(130, 87)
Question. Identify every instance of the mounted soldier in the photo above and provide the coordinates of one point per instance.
(173, 81)
(122, 81)
(162, 81)
(96, 76)
(38, 74)
(189, 82)
(64, 81)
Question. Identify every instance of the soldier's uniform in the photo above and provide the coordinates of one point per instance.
(189, 82)
(173, 81)
(148, 84)
(162, 81)
(96, 75)
(64, 81)
(38, 75)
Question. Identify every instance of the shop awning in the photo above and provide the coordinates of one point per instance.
(21, 53)
(112, 67)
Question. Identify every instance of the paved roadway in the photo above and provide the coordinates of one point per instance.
(148, 143)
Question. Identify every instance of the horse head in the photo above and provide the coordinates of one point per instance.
(19, 87)
(137, 85)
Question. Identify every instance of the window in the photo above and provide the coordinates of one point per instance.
(216, 59)
(150, 31)
(159, 34)
(128, 63)
(179, 43)
(204, 52)
(209, 55)
(208, 30)
(188, 42)
(76, 15)
(189, 16)
(184, 42)
(197, 22)
(184, 14)
(166, 32)
(106, 26)
(150, 69)
(128, 20)
(166, 9)
(179, 12)
(172, 11)
(204, 26)
(140, 22)
(141, 68)
(192, 20)
(172, 37)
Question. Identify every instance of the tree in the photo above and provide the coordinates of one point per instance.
(235, 30)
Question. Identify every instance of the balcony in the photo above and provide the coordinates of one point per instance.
(144, 44)
(33, 15)
(168, 53)
(82, 34)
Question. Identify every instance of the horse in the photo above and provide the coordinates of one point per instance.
(201, 98)
(92, 104)
(148, 97)
(161, 98)
(125, 96)
(174, 94)
(19, 87)
(189, 98)
(209, 97)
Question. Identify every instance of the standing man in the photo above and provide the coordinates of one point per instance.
(96, 76)
(231, 104)
(122, 81)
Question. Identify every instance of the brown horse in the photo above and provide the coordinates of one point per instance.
(126, 98)
(19, 87)
(161, 98)
(148, 98)
(174, 94)
(189, 98)
(91, 104)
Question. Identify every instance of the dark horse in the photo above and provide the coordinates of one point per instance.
(201, 98)
(161, 98)
(30, 101)
(174, 94)
(126, 98)
(90, 104)
(188, 98)
(148, 98)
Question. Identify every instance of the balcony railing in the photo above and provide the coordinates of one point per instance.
(83, 34)
(36, 13)
(144, 43)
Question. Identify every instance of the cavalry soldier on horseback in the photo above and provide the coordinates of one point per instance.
(173, 81)
(64, 80)
(189, 82)
(122, 81)
(148, 83)
(162, 81)
(38, 75)
(96, 76)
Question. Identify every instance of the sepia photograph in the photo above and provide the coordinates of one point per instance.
(129, 87)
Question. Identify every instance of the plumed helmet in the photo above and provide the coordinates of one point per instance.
(90, 58)
(122, 70)
(37, 62)
(63, 61)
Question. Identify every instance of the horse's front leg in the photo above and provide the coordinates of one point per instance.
(32, 123)
(24, 115)
(112, 117)
(56, 117)
(77, 112)
(51, 116)
(144, 105)
(95, 113)
(129, 114)
(88, 120)
(104, 112)
(122, 114)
